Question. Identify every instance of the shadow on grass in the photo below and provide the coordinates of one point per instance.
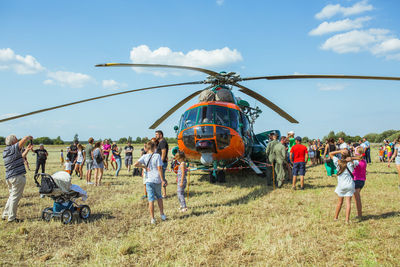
(194, 214)
(311, 186)
(381, 216)
(191, 194)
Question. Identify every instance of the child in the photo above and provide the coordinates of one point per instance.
(381, 153)
(359, 176)
(181, 179)
(345, 187)
(62, 158)
(68, 165)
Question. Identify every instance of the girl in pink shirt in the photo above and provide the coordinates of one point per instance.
(359, 177)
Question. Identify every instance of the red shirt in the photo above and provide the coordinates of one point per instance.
(299, 152)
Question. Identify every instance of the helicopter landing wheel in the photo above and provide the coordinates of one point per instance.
(221, 177)
(213, 179)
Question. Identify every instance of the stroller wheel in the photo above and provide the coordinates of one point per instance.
(66, 216)
(84, 212)
(47, 214)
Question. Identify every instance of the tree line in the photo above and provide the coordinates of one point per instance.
(58, 141)
(371, 137)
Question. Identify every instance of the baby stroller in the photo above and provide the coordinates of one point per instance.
(59, 188)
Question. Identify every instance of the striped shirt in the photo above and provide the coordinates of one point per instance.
(13, 161)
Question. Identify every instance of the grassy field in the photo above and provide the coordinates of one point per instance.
(242, 222)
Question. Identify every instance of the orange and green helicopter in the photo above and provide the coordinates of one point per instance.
(217, 133)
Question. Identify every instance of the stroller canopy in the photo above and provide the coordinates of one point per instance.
(62, 180)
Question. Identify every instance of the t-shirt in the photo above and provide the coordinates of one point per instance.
(72, 156)
(68, 166)
(366, 144)
(128, 151)
(106, 147)
(292, 142)
(299, 152)
(41, 154)
(13, 161)
(115, 153)
(152, 175)
(89, 149)
(162, 145)
(360, 170)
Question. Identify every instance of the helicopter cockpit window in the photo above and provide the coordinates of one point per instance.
(206, 114)
(234, 119)
(245, 122)
(222, 116)
(190, 118)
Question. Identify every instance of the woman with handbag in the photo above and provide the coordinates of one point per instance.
(98, 163)
(329, 166)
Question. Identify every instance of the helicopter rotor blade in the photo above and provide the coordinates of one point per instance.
(209, 72)
(175, 108)
(266, 102)
(95, 98)
(312, 76)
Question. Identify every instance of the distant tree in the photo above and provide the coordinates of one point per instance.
(43, 140)
(129, 139)
(2, 140)
(305, 139)
(145, 140)
(122, 140)
(58, 141)
(138, 140)
(76, 137)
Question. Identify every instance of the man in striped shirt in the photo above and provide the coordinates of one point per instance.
(15, 174)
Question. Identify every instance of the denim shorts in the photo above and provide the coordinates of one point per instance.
(153, 191)
(89, 164)
(359, 184)
(299, 168)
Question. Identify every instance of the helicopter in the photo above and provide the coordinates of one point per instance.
(217, 133)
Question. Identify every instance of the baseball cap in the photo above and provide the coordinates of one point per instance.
(298, 138)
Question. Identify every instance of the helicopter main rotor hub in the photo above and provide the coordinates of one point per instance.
(223, 78)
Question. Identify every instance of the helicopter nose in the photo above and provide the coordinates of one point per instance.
(206, 159)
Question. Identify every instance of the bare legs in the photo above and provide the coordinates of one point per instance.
(160, 206)
(301, 181)
(357, 198)
(339, 207)
(98, 174)
(398, 171)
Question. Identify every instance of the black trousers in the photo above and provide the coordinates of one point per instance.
(38, 164)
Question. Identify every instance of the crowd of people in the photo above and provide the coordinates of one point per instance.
(286, 154)
(348, 161)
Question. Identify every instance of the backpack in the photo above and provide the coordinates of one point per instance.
(98, 158)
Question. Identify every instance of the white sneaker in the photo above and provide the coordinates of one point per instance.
(163, 217)
(153, 221)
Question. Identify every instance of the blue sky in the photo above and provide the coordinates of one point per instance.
(48, 50)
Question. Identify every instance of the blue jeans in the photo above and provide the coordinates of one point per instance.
(368, 155)
(119, 163)
(164, 168)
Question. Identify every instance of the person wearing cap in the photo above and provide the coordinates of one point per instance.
(72, 154)
(299, 158)
(279, 156)
(41, 157)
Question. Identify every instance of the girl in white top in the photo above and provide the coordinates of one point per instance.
(80, 160)
(345, 188)
(396, 157)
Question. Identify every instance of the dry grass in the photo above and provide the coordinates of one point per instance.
(242, 222)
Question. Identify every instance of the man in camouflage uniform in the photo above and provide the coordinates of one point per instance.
(279, 156)
(270, 156)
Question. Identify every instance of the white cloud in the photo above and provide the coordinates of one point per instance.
(355, 41)
(390, 45)
(220, 2)
(72, 79)
(113, 85)
(330, 87)
(195, 58)
(18, 63)
(340, 25)
(331, 10)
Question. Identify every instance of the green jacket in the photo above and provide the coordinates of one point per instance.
(279, 153)
(270, 148)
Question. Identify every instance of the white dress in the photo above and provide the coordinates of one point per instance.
(345, 187)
